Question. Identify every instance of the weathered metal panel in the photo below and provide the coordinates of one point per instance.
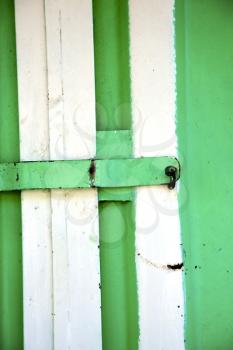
(56, 92)
(204, 32)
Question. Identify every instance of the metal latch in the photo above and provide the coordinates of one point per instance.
(99, 173)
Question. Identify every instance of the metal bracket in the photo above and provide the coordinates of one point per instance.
(100, 173)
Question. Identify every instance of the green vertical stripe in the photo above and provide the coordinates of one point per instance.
(204, 37)
(111, 38)
(11, 299)
(117, 241)
(118, 287)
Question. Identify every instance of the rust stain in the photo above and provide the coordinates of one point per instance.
(92, 171)
(175, 266)
(168, 267)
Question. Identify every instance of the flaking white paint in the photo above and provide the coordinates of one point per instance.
(158, 242)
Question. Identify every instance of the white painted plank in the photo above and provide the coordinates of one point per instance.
(77, 318)
(57, 151)
(157, 219)
(67, 133)
(34, 145)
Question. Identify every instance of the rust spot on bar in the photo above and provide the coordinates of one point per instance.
(92, 171)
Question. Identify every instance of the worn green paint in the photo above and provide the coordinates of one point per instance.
(133, 172)
(116, 143)
(111, 41)
(204, 32)
(116, 218)
(45, 175)
(118, 282)
(11, 298)
(85, 173)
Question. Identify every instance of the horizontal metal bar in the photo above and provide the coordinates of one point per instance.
(133, 172)
(67, 174)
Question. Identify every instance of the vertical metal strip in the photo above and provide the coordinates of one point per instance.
(116, 219)
(11, 298)
(204, 31)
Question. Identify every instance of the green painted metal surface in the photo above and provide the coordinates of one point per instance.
(133, 172)
(11, 296)
(85, 173)
(204, 34)
(109, 144)
(118, 280)
(45, 175)
(114, 142)
(116, 218)
(111, 41)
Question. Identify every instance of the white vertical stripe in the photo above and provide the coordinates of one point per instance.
(157, 219)
(34, 145)
(77, 321)
(57, 120)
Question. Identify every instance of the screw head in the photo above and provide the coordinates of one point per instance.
(170, 170)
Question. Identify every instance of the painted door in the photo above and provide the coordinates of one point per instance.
(119, 269)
